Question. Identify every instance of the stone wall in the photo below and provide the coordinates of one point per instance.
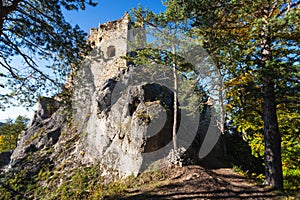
(110, 43)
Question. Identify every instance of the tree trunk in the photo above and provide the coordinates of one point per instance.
(221, 121)
(273, 165)
(175, 105)
(2, 18)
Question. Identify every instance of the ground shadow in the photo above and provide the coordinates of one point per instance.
(201, 183)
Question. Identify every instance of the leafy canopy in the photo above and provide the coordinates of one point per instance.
(256, 44)
(37, 47)
(10, 132)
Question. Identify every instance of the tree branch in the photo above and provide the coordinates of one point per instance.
(6, 66)
(30, 62)
(41, 13)
(288, 8)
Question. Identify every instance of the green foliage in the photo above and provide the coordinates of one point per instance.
(256, 45)
(79, 183)
(240, 154)
(289, 127)
(288, 124)
(291, 179)
(166, 55)
(170, 48)
(17, 186)
(6, 195)
(37, 48)
(10, 131)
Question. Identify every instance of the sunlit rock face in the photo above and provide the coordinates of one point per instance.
(114, 122)
(114, 116)
(126, 124)
(43, 131)
(118, 134)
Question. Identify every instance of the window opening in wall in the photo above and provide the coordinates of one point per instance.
(111, 51)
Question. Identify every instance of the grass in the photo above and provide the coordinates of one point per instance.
(80, 183)
(291, 182)
(87, 183)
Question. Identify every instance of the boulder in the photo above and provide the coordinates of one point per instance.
(42, 132)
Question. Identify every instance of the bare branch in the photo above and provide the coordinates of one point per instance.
(7, 66)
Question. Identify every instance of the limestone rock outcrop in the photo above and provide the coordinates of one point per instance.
(42, 132)
(118, 125)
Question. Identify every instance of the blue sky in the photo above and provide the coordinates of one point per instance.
(106, 10)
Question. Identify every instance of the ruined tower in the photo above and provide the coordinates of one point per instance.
(111, 37)
(109, 41)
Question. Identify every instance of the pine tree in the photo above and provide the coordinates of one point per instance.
(10, 131)
(168, 32)
(258, 45)
(34, 32)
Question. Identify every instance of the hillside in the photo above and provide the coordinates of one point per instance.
(189, 182)
(196, 182)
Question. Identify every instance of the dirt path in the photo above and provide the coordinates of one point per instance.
(195, 182)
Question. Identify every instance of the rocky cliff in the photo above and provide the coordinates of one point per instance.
(113, 122)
